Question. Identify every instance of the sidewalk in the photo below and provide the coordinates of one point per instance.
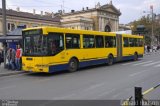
(6, 72)
(152, 52)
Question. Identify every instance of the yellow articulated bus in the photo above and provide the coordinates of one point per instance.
(51, 49)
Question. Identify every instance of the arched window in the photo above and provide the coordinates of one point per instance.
(107, 28)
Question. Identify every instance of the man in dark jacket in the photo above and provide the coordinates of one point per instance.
(1, 57)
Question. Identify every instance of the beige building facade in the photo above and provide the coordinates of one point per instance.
(100, 18)
(16, 18)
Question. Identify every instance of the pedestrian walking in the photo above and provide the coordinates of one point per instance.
(1, 57)
(18, 57)
(148, 48)
(11, 58)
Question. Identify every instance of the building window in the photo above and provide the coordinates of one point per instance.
(11, 26)
(8, 26)
(107, 28)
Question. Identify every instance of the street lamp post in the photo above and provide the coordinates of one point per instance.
(152, 24)
(152, 34)
(4, 27)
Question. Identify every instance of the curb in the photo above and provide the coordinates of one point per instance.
(11, 73)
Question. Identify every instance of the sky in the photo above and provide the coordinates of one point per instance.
(131, 9)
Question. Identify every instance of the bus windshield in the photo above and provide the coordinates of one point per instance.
(35, 45)
(42, 45)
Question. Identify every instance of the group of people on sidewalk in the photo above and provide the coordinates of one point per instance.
(149, 48)
(13, 58)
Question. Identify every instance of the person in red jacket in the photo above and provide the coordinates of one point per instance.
(18, 57)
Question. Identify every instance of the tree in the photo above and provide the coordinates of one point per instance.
(147, 22)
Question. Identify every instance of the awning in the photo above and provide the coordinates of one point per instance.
(10, 39)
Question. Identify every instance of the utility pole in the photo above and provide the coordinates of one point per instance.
(152, 35)
(4, 27)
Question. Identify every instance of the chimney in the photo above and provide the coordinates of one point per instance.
(63, 11)
(98, 5)
(86, 8)
(83, 9)
(60, 11)
(34, 11)
(52, 15)
(110, 2)
(18, 9)
(41, 13)
(72, 11)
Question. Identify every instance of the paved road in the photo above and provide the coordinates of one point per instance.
(96, 83)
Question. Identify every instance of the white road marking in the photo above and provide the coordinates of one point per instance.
(94, 87)
(7, 87)
(140, 72)
(105, 93)
(128, 63)
(132, 62)
(157, 65)
(142, 63)
(151, 63)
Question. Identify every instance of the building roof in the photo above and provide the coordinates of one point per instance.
(13, 36)
(21, 14)
(101, 8)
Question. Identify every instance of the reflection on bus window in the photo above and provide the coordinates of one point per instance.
(131, 42)
(110, 41)
(126, 42)
(88, 41)
(55, 43)
(99, 42)
(37, 44)
(72, 41)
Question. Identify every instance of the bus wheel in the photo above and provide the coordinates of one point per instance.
(73, 65)
(135, 56)
(110, 60)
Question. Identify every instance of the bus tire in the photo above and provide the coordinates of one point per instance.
(73, 65)
(110, 60)
(135, 56)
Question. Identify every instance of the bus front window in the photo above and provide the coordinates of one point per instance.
(35, 45)
(43, 45)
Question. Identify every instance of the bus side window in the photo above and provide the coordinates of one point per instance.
(110, 41)
(55, 43)
(99, 42)
(88, 41)
(72, 41)
(140, 42)
(126, 43)
(131, 42)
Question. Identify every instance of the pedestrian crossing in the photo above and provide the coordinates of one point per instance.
(149, 63)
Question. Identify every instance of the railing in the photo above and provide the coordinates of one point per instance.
(139, 97)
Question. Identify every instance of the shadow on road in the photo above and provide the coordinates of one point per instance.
(89, 68)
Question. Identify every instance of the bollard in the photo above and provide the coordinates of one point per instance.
(138, 96)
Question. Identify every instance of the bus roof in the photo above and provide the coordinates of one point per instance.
(47, 29)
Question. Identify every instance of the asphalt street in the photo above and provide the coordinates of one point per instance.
(92, 83)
